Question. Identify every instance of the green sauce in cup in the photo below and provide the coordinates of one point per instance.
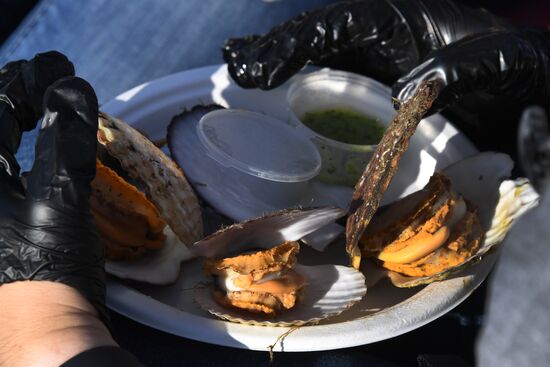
(344, 125)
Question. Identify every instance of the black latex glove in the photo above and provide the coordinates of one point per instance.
(380, 38)
(512, 64)
(22, 86)
(46, 229)
(489, 79)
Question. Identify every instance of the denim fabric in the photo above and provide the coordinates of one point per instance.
(117, 44)
(517, 326)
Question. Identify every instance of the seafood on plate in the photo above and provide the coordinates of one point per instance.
(426, 232)
(461, 214)
(262, 281)
(145, 211)
(257, 279)
(127, 222)
(444, 228)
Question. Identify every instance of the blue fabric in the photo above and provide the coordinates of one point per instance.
(117, 44)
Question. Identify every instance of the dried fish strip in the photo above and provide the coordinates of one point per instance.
(383, 165)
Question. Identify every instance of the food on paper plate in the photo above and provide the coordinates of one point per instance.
(127, 222)
(426, 232)
(145, 231)
(461, 214)
(163, 181)
(421, 246)
(262, 282)
(269, 287)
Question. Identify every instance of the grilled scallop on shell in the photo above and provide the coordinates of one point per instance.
(262, 282)
(128, 223)
(165, 185)
(155, 255)
(425, 233)
(463, 212)
(315, 292)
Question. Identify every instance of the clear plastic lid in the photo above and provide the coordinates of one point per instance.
(258, 145)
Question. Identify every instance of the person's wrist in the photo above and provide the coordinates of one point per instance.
(46, 323)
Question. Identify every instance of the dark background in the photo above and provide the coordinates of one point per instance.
(11, 14)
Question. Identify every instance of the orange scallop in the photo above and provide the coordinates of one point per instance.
(124, 217)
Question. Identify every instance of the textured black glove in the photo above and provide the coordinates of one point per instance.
(22, 86)
(503, 63)
(380, 38)
(46, 229)
(489, 79)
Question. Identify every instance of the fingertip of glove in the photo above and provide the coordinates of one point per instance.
(77, 85)
(67, 142)
(73, 93)
(229, 44)
(55, 60)
(239, 74)
(241, 61)
(230, 48)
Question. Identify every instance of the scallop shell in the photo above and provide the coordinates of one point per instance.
(330, 289)
(165, 184)
(160, 267)
(267, 231)
(482, 180)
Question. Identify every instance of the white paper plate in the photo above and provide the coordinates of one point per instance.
(385, 312)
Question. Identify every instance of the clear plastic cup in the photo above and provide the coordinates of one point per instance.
(257, 152)
(258, 145)
(342, 163)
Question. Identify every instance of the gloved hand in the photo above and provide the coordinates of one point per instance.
(488, 81)
(46, 229)
(380, 38)
(505, 63)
